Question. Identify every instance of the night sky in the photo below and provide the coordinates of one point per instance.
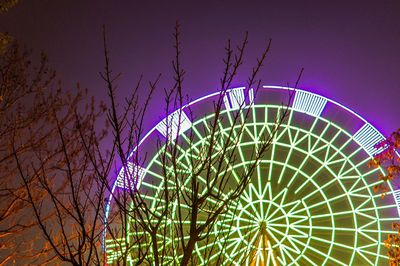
(350, 51)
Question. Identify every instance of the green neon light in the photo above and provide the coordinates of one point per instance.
(310, 200)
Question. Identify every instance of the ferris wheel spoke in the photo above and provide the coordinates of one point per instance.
(318, 137)
(354, 190)
(345, 247)
(325, 228)
(288, 157)
(249, 236)
(235, 248)
(237, 252)
(310, 178)
(244, 219)
(236, 229)
(368, 236)
(327, 201)
(361, 229)
(152, 174)
(218, 146)
(350, 212)
(288, 123)
(332, 243)
(189, 140)
(272, 231)
(319, 189)
(285, 253)
(317, 251)
(273, 214)
(294, 219)
(271, 162)
(293, 248)
(231, 212)
(293, 178)
(341, 148)
(265, 123)
(254, 125)
(366, 259)
(360, 164)
(244, 161)
(309, 153)
(363, 249)
(233, 136)
(299, 233)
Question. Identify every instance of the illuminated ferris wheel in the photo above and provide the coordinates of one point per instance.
(310, 200)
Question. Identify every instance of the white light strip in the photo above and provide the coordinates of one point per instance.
(368, 137)
(235, 99)
(396, 195)
(226, 102)
(251, 96)
(133, 177)
(309, 103)
(177, 121)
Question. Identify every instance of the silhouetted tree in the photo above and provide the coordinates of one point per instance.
(66, 174)
(163, 226)
(29, 96)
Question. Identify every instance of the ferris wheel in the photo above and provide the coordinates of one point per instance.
(310, 199)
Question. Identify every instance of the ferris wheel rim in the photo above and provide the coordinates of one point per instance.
(264, 87)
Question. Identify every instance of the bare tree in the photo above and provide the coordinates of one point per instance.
(48, 193)
(22, 104)
(163, 221)
(70, 216)
(66, 174)
(25, 99)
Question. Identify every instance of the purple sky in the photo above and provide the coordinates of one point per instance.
(350, 51)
